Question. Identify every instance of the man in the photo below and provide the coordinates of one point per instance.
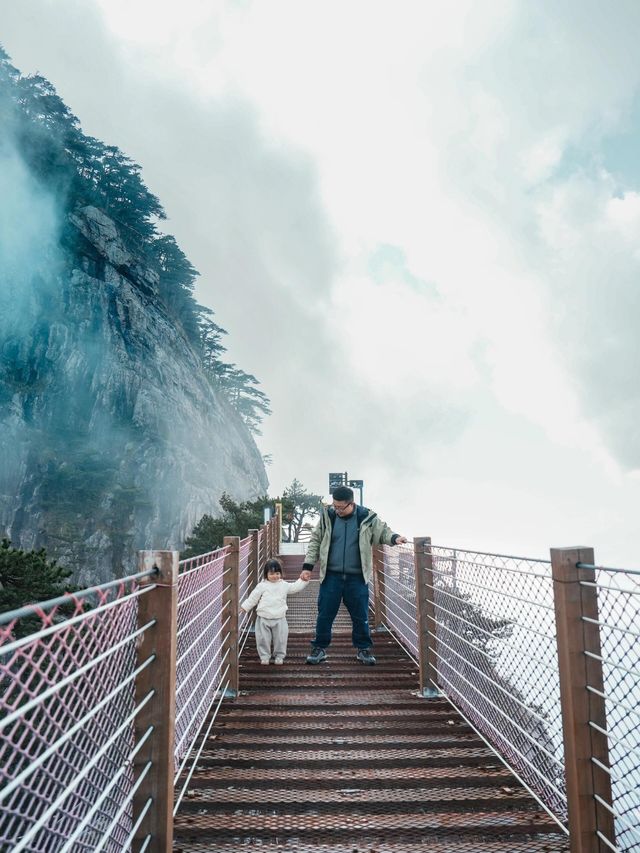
(343, 541)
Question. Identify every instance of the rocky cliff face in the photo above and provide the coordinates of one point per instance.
(111, 437)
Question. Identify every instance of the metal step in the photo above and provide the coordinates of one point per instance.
(344, 758)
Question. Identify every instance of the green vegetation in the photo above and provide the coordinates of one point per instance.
(236, 520)
(298, 506)
(27, 577)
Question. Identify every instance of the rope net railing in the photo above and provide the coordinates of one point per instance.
(202, 669)
(107, 697)
(68, 709)
(619, 629)
(211, 635)
(245, 584)
(262, 548)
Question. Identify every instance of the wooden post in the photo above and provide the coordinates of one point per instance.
(574, 601)
(379, 590)
(425, 616)
(159, 712)
(231, 605)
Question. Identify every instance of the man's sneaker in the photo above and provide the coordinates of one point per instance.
(279, 661)
(317, 655)
(265, 661)
(365, 656)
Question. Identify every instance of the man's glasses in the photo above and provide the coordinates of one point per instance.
(339, 508)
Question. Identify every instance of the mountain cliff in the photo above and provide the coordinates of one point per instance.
(114, 435)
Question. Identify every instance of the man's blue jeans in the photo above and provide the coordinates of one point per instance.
(354, 591)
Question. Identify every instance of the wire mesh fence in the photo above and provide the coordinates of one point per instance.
(68, 709)
(397, 595)
(492, 635)
(495, 645)
(618, 623)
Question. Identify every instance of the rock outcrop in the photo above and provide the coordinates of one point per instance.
(112, 438)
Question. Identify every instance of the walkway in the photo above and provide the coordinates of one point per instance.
(344, 758)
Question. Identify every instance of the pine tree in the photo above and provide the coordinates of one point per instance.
(236, 520)
(245, 397)
(177, 277)
(27, 577)
(212, 347)
(81, 171)
(299, 507)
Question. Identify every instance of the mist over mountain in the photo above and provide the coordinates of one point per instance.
(120, 423)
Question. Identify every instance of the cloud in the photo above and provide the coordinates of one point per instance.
(408, 223)
(29, 232)
(520, 136)
(593, 276)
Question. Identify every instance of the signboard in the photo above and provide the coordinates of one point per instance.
(337, 479)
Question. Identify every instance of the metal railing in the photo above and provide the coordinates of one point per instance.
(497, 658)
(68, 710)
(202, 662)
(107, 697)
(618, 624)
(542, 659)
(393, 601)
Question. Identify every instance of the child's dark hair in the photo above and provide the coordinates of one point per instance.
(272, 565)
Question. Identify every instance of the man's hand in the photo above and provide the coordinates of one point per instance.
(305, 575)
(400, 540)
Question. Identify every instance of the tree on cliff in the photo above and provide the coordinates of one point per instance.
(240, 388)
(237, 520)
(177, 278)
(299, 508)
(81, 170)
(27, 577)
(245, 397)
(212, 347)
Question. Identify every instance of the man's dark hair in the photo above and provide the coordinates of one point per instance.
(272, 565)
(343, 493)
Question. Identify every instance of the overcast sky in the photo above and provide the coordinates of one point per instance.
(419, 223)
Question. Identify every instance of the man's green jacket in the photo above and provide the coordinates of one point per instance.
(372, 531)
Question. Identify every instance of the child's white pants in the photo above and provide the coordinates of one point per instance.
(271, 634)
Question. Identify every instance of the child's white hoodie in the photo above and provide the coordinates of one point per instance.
(271, 597)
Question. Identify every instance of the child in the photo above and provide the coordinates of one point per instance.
(271, 623)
